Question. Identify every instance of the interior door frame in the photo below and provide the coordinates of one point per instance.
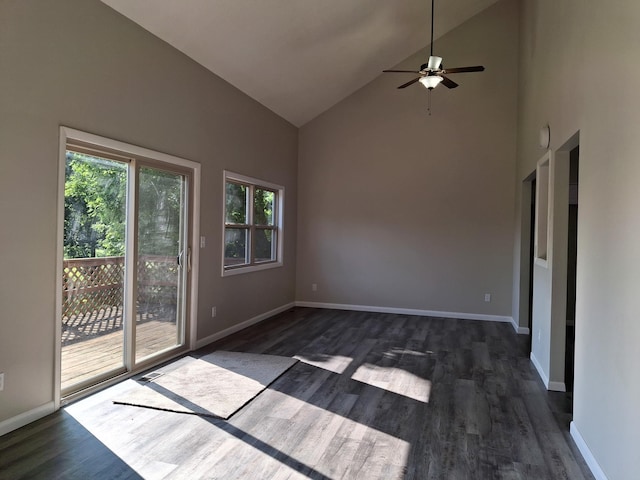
(549, 331)
(68, 135)
(527, 230)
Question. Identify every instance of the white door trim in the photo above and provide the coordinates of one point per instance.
(67, 134)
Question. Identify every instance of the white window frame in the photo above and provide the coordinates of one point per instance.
(278, 219)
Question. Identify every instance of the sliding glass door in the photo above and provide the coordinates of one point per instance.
(93, 267)
(125, 266)
(162, 259)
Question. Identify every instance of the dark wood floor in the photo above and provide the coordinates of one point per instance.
(375, 396)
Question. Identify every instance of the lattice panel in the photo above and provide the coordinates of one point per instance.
(90, 284)
(93, 290)
(157, 281)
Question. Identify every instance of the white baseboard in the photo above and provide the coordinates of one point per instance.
(586, 453)
(540, 370)
(247, 323)
(25, 418)
(557, 386)
(520, 330)
(406, 311)
(553, 386)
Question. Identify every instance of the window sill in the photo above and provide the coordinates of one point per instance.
(252, 268)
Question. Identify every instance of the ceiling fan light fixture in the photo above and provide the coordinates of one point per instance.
(431, 81)
(430, 73)
(434, 63)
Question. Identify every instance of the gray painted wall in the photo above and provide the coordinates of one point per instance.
(440, 219)
(401, 209)
(563, 46)
(80, 64)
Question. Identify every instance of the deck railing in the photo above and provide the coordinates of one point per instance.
(93, 293)
(89, 284)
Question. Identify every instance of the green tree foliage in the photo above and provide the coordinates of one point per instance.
(95, 201)
(263, 202)
(236, 203)
(95, 209)
(236, 213)
(159, 200)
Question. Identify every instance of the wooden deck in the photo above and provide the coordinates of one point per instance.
(92, 313)
(85, 358)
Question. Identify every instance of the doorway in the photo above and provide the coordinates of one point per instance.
(532, 227)
(572, 253)
(527, 257)
(124, 292)
(551, 308)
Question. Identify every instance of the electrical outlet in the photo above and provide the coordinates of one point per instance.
(203, 242)
(314, 287)
(213, 312)
(539, 335)
(487, 297)
(1, 381)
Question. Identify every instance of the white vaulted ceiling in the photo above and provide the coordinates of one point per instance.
(297, 57)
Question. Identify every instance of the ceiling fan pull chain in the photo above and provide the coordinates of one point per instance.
(429, 103)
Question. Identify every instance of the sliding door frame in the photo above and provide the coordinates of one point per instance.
(184, 285)
(145, 157)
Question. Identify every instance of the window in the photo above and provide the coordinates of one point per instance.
(252, 224)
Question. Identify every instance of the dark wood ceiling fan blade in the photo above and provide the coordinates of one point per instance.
(477, 68)
(411, 82)
(400, 71)
(447, 82)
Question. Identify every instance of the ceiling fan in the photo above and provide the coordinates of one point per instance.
(433, 72)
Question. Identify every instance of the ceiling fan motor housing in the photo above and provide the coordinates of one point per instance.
(434, 63)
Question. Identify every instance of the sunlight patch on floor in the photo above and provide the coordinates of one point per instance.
(328, 440)
(333, 363)
(394, 380)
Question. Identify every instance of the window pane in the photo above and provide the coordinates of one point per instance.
(95, 198)
(263, 203)
(94, 205)
(160, 280)
(236, 203)
(160, 212)
(235, 246)
(264, 245)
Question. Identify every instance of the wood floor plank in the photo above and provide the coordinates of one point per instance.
(375, 396)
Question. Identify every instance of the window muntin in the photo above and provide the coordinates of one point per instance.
(253, 224)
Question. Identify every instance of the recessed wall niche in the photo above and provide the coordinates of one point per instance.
(542, 210)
